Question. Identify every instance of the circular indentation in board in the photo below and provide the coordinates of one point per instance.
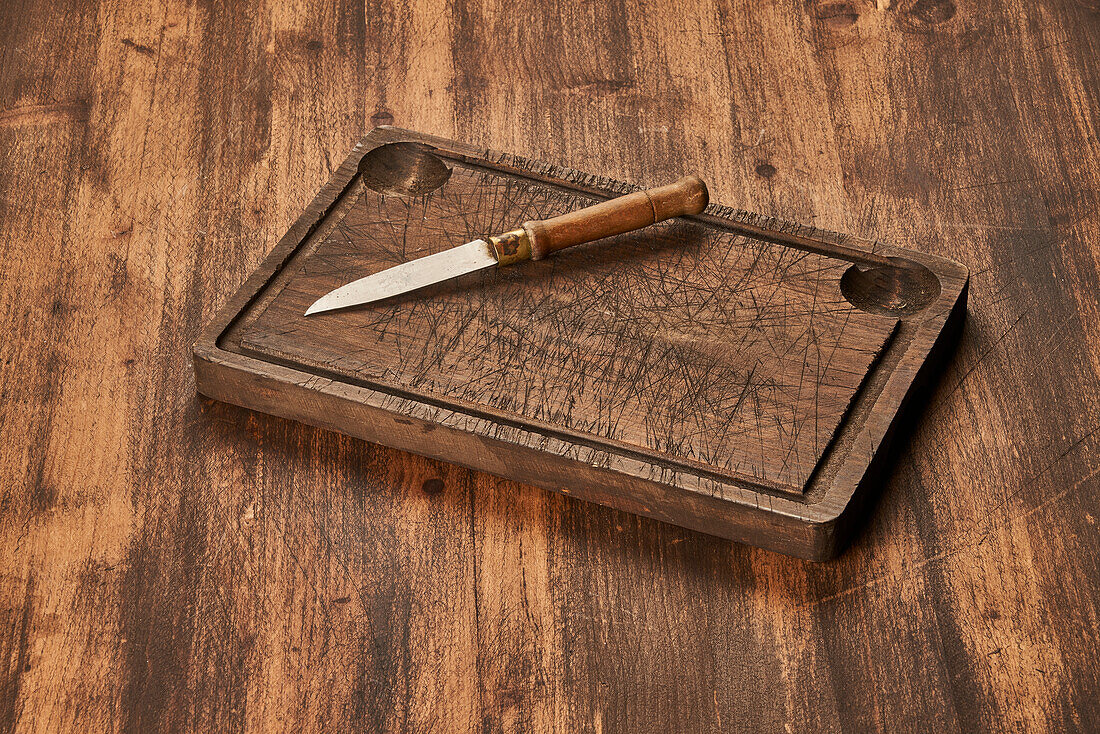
(403, 169)
(901, 288)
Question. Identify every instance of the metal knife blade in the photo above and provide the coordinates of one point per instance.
(408, 276)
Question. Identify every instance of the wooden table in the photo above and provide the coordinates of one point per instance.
(172, 563)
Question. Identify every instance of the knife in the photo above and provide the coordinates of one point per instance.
(532, 241)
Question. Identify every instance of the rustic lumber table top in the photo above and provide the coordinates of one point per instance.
(172, 563)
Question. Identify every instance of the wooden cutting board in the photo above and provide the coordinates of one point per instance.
(726, 372)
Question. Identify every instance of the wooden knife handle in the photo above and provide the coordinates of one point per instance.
(623, 214)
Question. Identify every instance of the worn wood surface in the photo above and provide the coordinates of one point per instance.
(172, 563)
(727, 384)
(646, 341)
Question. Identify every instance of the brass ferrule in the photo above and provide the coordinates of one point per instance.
(511, 247)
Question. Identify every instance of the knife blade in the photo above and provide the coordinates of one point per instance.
(408, 276)
(532, 240)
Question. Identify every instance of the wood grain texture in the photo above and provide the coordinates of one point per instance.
(172, 563)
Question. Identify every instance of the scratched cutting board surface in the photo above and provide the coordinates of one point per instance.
(692, 344)
(725, 372)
